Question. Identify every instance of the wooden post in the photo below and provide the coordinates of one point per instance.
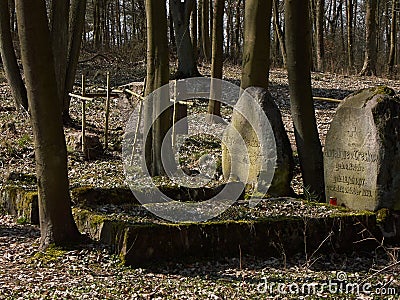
(107, 112)
(83, 116)
(174, 113)
(179, 110)
(141, 103)
(136, 131)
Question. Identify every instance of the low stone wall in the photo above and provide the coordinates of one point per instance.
(20, 203)
(140, 244)
(262, 238)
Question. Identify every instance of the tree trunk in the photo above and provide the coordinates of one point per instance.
(205, 29)
(393, 37)
(350, 38)
(342, 38)
(211, 18)
(214, 106)
(77, 23)
(370, 56)
(118, 17)
(125, 23)
(319, 41)
(97, 24)
(13, 20)
(193, 31)
(255, 65)
(298, 41)
(171, 33)
(57, 225)
(180, 12)
(106, 25)
(238, 24)
(200, 28)
(9, 59)
(157, 76)
(229, 26)
(59, 41)
(279, 32)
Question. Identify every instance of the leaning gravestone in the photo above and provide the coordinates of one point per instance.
(362, 151)
(249, 171)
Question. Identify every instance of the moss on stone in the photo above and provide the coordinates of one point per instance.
(11, 190)
(383, 90)
(49, 255)
(382, 215)
(81, 189)
(20, 202)
(89, 216)
(22, 220)
(22, 178)
(352, 213)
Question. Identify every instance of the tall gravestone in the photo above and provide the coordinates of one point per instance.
(362, 151)
(257, 141)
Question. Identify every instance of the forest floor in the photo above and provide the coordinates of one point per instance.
(92, 273)
(16, 141)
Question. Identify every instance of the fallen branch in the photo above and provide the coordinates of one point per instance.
(327, 99)
(134, 83)
(111, 90)
(93, 57)
(80, 97)
(381, 271)
(95, 95)
(134, 94)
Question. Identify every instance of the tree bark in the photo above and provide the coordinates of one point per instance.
(13, 20)
(298, 41)
(171, 33)
(193, 31)
(256, 50)
(77, 23)
(157, 76)
(214, 106)
(57, 225)
(279, 32)
(200, 28)
(205, 29)
(9, 59)
(97, 24)
(180, 12)
(350, 38)
(229, 29)
(125, 22)
(370, 56)
(342, 38)
(59, 41)
(119, 23)
(393, 37)
(238, 24)
(319, 41)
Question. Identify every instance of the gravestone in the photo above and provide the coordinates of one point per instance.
(362, 151)
(93, 146)
(257, 144)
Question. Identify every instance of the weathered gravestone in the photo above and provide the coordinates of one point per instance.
(258, 138)
(93, 146)
(362, 151)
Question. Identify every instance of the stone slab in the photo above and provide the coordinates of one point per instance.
(362, 151)
(252, 147)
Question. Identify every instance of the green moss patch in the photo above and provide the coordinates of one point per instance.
(143, 243)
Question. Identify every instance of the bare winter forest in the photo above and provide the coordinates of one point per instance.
(85, 191)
